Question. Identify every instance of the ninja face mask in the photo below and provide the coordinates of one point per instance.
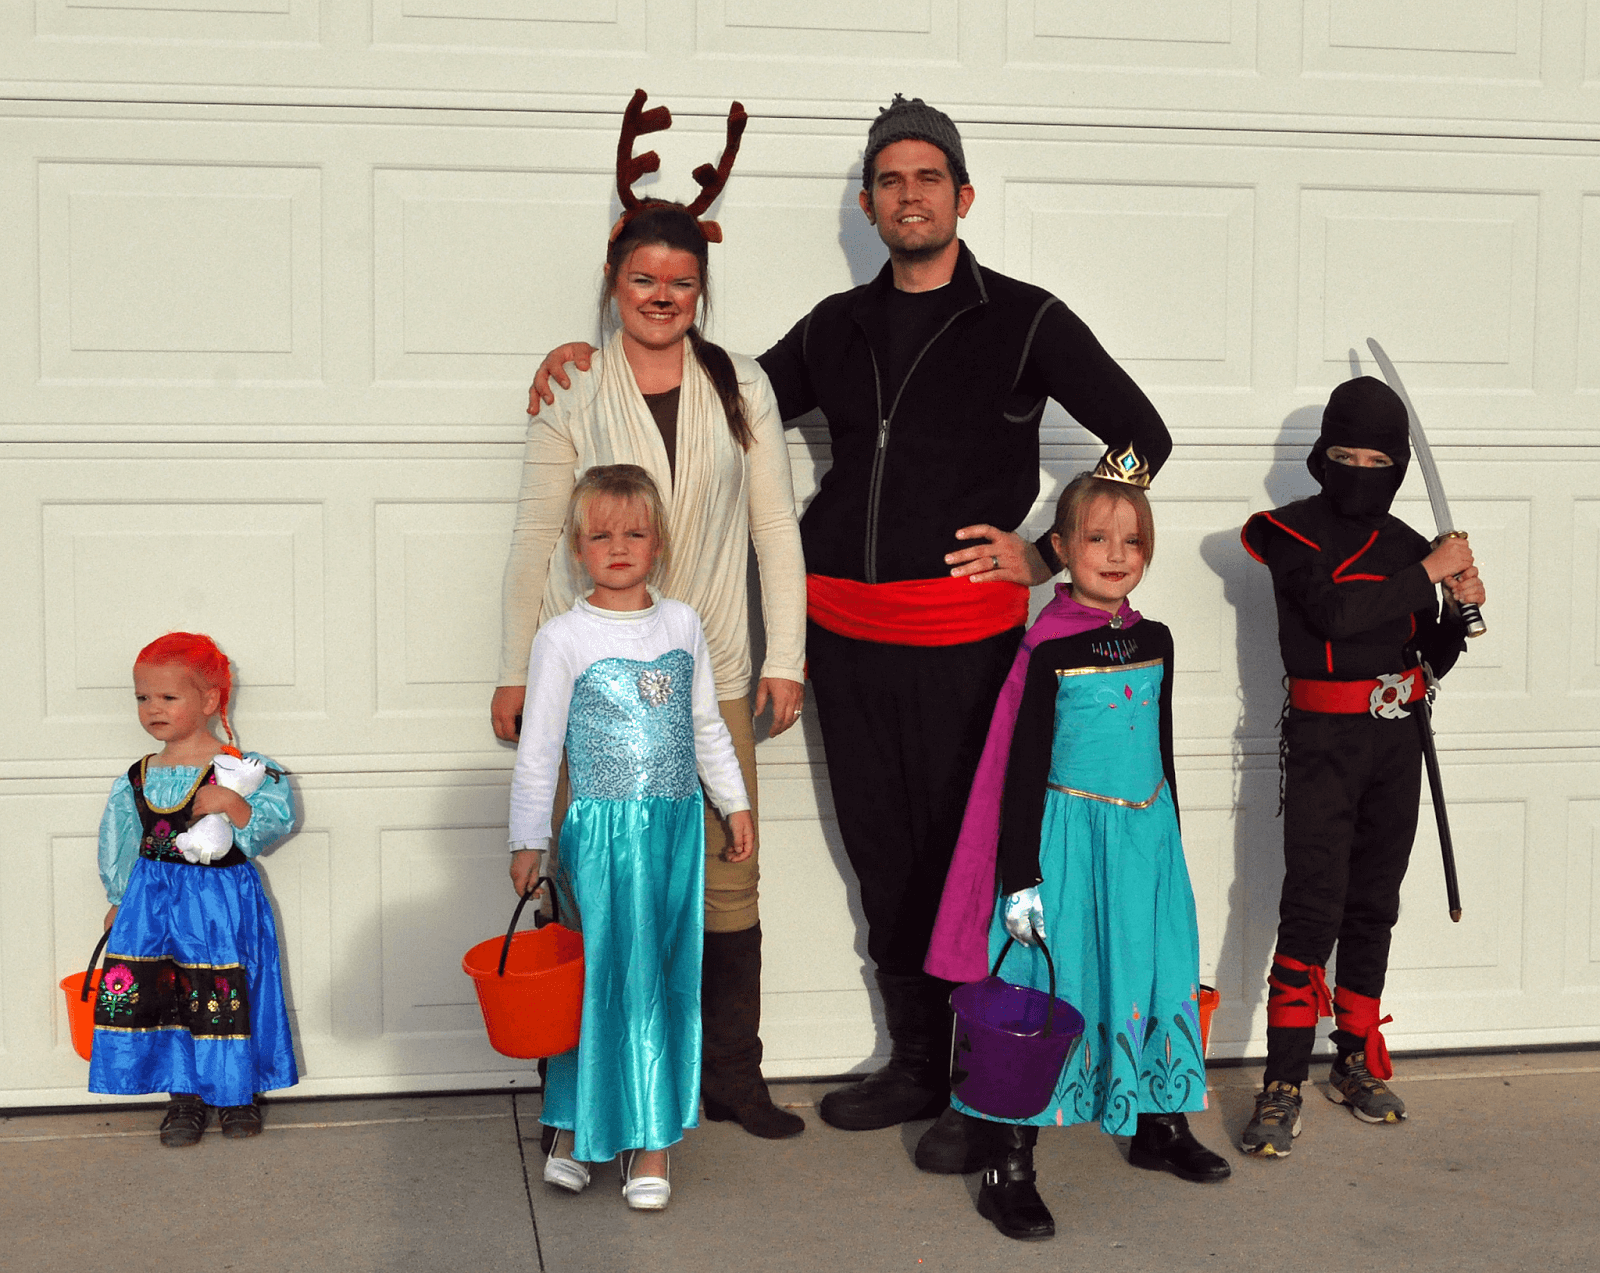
(1362, 413)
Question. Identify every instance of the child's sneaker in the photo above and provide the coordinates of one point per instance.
(1351, 1083)
(185, 1121)
(1272, 1128)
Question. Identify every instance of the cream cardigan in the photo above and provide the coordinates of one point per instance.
(722, 499)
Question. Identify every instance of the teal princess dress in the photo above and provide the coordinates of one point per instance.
(631, 857)
(1090, 818)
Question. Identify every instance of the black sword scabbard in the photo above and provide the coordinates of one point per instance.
(1430, 757)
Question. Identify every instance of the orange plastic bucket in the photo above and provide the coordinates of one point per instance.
(80, 1012)
(82, 989)
(1209, 999)
(530, 988)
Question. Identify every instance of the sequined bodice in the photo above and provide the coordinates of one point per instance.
(630, 730)
(1108, 731)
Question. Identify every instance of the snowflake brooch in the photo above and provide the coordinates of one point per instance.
(655, 686)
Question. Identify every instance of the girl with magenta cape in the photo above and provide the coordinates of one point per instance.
(1073, 811)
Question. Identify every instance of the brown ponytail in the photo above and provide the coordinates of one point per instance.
(719, 367)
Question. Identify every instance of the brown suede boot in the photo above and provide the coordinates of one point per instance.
(730, 1020)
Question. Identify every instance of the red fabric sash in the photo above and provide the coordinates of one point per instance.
(946, 611)
(1348, 698)
(1302, 1006)
(1357, 1014)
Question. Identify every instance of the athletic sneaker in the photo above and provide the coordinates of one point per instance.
(1351, 1083)
(1272, 1128)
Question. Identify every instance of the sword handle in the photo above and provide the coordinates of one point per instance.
(1476, 627)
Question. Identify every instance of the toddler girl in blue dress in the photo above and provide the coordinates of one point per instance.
(191, 995)
(623, 682)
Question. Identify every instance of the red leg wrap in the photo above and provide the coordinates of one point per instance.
(1357, 1014)
(1289, 1005)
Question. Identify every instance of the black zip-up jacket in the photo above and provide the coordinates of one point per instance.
(958, 442)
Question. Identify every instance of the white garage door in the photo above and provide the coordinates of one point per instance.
(275, 276)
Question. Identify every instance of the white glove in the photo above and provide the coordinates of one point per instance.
(209, 839)
(1024, 915)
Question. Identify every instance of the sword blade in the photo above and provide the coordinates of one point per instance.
(1430, 473)
(1419, 442)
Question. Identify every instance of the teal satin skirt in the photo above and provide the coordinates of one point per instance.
(1120, 913)
(636, 869)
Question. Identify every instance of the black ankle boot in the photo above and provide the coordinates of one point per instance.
(958, 1143)
(916, 1082)
(730, 1020)
(1163, 1142)
(1008, 1199)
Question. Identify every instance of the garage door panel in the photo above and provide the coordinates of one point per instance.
(152, 272)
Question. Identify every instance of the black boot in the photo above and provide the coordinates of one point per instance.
(1008, 1199)
(958, 1143)
(730, 1021)
(1163, 1142)
(916, 1082)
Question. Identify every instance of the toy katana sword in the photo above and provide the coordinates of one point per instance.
(1430, 476)
(1469, 612)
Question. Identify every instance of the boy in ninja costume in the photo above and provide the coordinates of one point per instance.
(1357, 607)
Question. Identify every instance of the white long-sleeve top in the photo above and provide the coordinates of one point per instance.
(565, 648)
(721, 500)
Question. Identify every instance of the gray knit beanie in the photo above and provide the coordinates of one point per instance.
(913, 120)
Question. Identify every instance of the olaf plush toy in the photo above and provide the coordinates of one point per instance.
(212, 836)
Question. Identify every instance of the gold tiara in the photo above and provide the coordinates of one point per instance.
(1124, 466)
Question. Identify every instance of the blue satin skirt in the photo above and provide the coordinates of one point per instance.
(1120, 913)
(636, 869)
(171, 1016)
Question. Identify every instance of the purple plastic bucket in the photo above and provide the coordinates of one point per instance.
(1011, 1043)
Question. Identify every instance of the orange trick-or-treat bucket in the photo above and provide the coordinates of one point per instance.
(1209, 999)
(530, 988)
(82, 989)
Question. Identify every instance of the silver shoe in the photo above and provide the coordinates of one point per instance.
(565, 1173)
(645, 1193)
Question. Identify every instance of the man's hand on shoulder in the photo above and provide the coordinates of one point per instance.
(554, 365)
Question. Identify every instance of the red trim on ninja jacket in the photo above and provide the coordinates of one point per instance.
(1351, 560)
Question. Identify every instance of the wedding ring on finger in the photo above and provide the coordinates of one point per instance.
(996, 561)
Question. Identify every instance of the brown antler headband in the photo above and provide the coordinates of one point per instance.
(637, 122)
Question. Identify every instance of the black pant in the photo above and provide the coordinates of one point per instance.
(903, 727)
(1350, 814)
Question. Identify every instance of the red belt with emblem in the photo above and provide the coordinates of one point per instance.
(1382, 697)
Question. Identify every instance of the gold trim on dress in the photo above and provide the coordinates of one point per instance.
(161, 1029)
(152, 959)
(155, 808)
(1115, 667)
(1092, 795)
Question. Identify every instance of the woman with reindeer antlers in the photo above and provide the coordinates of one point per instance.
(705, 425)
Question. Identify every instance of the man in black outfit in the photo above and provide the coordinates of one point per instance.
(1357, 611)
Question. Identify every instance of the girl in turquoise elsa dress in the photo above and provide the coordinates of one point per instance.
(1086, 840)
(623, 681)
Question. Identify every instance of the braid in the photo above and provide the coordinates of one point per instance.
(719, 367)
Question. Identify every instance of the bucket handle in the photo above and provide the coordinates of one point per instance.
(1050, 1008)
(88, 975)
(555, 916)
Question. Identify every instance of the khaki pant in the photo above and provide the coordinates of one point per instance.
(731, 895)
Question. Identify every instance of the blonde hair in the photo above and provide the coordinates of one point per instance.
(1084, 489)
(627, 483)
